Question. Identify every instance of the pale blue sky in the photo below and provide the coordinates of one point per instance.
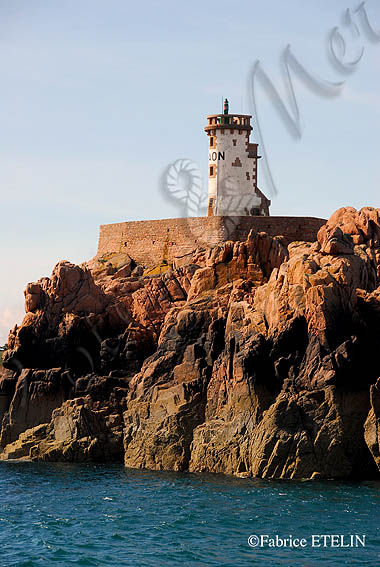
(98, 97)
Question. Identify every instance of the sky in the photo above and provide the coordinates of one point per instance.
(99, 97)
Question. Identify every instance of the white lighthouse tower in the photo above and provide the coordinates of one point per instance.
(232, 176)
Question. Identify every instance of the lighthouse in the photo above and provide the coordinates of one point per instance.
(233, 160)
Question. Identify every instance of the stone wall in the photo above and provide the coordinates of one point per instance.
(149, 242)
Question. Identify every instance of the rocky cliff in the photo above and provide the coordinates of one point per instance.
(254, 358)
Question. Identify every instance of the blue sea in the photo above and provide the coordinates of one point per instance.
(66, 514)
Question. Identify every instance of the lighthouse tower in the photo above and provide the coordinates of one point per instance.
(232, 175)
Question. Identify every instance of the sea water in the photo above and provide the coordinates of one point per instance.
(67, 514)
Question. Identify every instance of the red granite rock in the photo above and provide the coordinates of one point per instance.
(251, 358)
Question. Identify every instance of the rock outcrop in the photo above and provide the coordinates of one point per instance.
(253, 358)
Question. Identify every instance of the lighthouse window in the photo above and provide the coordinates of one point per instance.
(211, 142)
(211, 170)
